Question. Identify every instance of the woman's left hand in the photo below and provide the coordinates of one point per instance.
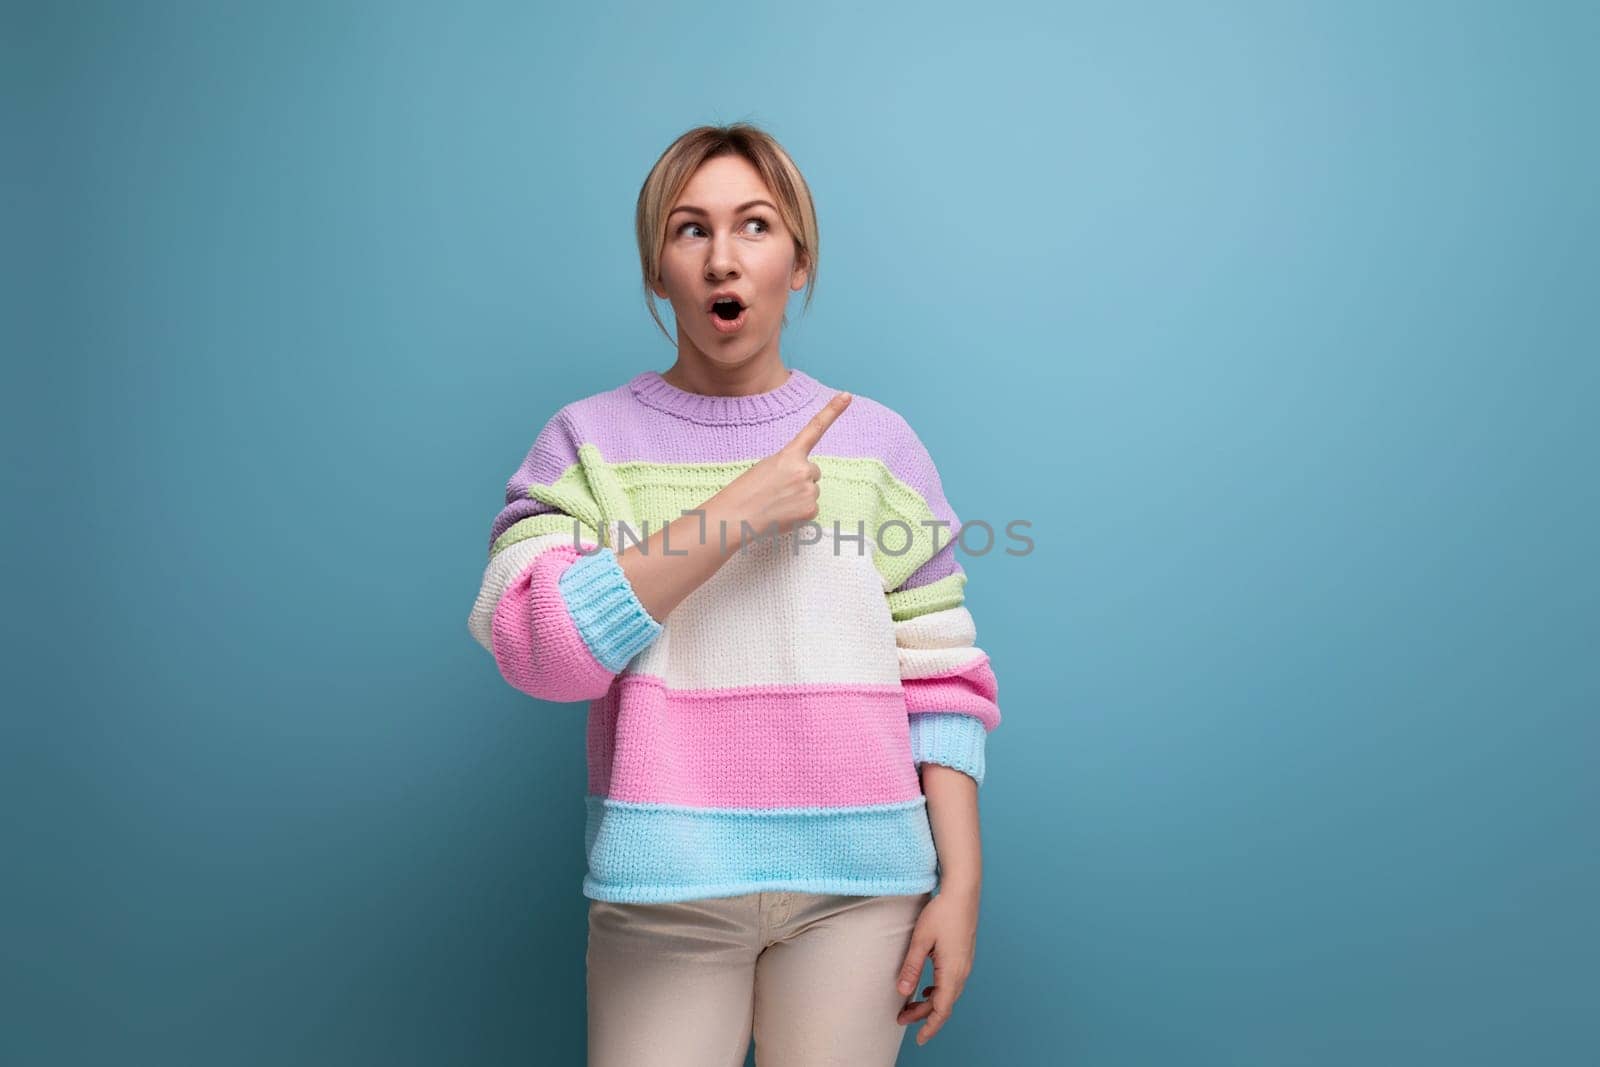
(948, 928)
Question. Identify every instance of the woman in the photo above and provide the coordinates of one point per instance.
(753, 581)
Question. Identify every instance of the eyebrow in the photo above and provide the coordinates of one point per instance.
(702, 211)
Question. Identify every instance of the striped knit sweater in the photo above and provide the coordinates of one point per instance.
(766, 734)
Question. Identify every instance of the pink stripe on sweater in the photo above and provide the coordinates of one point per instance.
(761, 746)
(972, 690)
(536, 644)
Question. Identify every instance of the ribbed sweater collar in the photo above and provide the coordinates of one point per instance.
(650, 388)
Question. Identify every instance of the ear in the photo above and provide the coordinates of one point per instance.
(801, 271)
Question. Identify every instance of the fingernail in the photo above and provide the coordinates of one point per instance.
(905, 987)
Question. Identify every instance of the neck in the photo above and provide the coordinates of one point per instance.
(694, 373)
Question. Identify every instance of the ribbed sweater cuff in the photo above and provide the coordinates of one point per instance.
(607, 612)
(951, 739)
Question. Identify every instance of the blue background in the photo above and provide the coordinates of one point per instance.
(1275, 320)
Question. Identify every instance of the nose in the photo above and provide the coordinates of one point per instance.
(720, 260)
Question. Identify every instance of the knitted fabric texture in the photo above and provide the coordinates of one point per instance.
(766, 734)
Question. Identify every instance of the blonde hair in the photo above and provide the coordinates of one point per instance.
(678, 164)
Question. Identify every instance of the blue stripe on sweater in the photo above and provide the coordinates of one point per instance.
(949, 738)
(652, 853)
(605, 609)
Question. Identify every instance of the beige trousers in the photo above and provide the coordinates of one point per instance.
(811, 976)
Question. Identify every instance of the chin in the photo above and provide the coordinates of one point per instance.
(730, 355)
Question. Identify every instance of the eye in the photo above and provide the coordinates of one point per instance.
(764, 224)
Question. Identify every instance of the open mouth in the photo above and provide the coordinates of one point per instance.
(727, 315)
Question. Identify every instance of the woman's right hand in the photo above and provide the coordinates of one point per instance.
(781, 488)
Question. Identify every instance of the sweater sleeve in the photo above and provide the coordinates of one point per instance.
(555, 608)
(952, 696)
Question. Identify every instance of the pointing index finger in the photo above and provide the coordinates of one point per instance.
(812, 431)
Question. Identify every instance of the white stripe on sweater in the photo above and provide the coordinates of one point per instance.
(770, 615)
(940, 642)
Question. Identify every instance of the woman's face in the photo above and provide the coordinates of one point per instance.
(724, 235)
